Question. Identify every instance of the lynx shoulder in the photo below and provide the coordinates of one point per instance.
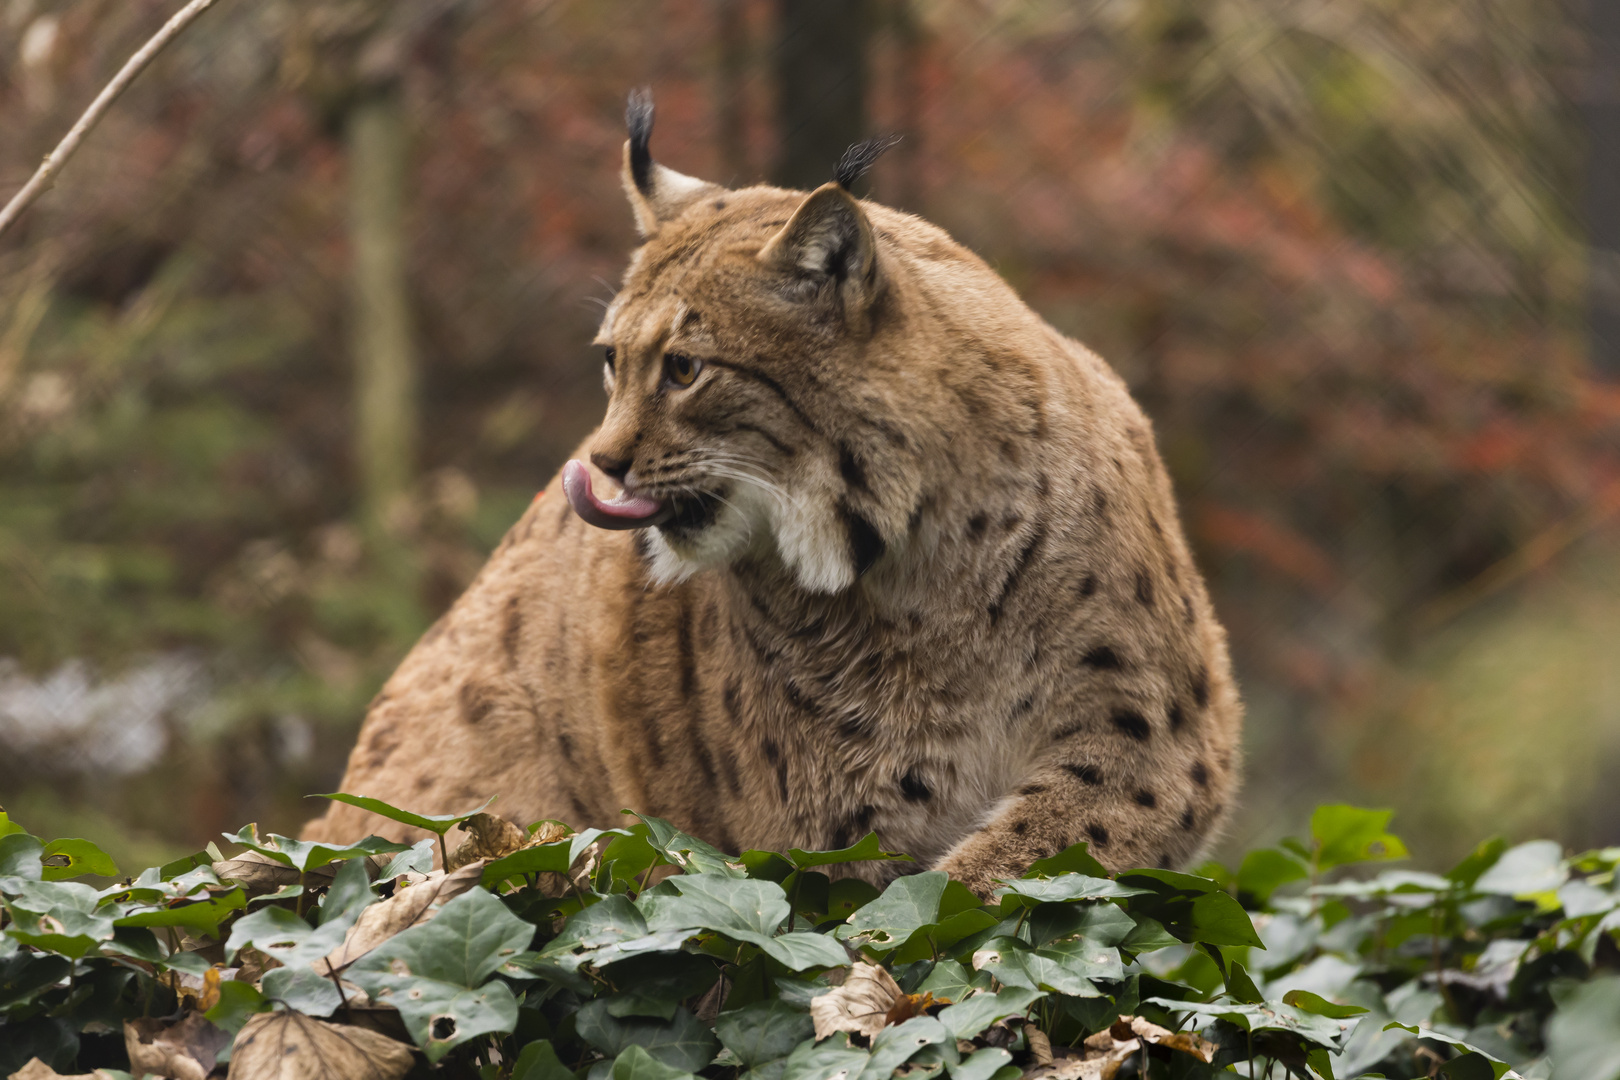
(885, 552)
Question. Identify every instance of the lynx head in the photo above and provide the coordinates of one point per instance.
(735, 362)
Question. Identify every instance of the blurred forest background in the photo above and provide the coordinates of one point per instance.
(304, 327)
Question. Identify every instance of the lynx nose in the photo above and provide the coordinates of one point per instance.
(614, 467)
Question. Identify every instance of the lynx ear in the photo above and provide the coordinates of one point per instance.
(656, 193)
(829, 241)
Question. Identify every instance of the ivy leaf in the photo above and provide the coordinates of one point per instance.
(1065, 968)
(557, 857)
(928, 941)
(719, 903)
(303, 856)
(1472, 1063)
(62, 917)
(1191, 908)
(237, 1004)
(20, 856)
(655, 985)
(438, 824)
(828, 1059)
(1239, 985)
(1074, 859)
(607, 922)
(201, 916)
(636, 1064)
(1264, 870)
(682, 1042)
(303, 989)
(867, 849)
(763, 1031)
(745, 910)
(435, 974)
(846, 896)
(688, 852)
(283, 936)
(1526, 870)
(348, 895)
(967, 1018)
(65, 859)
(948, 980)
(1268, 1016)
(538, 1061)
(1304, 999)
(1583, 1036)
(908, 903)
(1349, 834)
(1067, 887)
(418, 860)
(1481, 859)
(25, 975)
(982, 1064)
(898, 1043)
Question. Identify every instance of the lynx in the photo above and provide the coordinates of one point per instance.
(861, 544)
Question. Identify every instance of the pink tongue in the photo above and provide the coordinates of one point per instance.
(624, 511)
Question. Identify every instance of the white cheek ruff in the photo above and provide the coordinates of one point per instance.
(814, 547)
(809, 538)
(741, 523)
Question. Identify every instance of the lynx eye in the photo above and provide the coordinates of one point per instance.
(608, 355)
(681, 370)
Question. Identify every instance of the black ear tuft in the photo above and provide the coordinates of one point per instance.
(860, 157)
(638, 117)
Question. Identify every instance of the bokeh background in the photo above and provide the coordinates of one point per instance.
(304, 327)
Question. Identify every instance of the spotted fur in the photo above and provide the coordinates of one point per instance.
(926, 578)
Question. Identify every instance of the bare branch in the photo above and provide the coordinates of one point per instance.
(45, 175)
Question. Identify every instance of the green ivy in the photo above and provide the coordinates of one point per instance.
(1299, 964)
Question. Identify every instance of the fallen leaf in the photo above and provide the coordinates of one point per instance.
(861, 1005)
(259, 874)
(549, 832)
(911, 1005)
(183, 1049)
(488, 837)
(1040, 1044)
(410, 906)
(1100, 1063)
(1188, 1042)
(38, 1070)
(291, 1046)
(1102, 1054)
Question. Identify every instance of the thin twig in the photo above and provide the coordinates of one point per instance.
(45, 175)
(337, 982)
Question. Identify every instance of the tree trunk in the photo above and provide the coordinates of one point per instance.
(385, 374)
(731, 72)
(821, 84)
(1602, 114)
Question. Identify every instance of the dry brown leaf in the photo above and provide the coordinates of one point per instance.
(911, 1005)
(550, 832)
(410, 906)
(1104, 1052)
(1040, 1045)
(38, 1070)
(183, 1049)
(254, 964)
(861, 1005)
(291, 1046)
(488, 837)
(1188, 1042)
(260, 874)
(1099, 1064)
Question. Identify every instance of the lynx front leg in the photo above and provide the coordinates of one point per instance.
(1139, 817)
